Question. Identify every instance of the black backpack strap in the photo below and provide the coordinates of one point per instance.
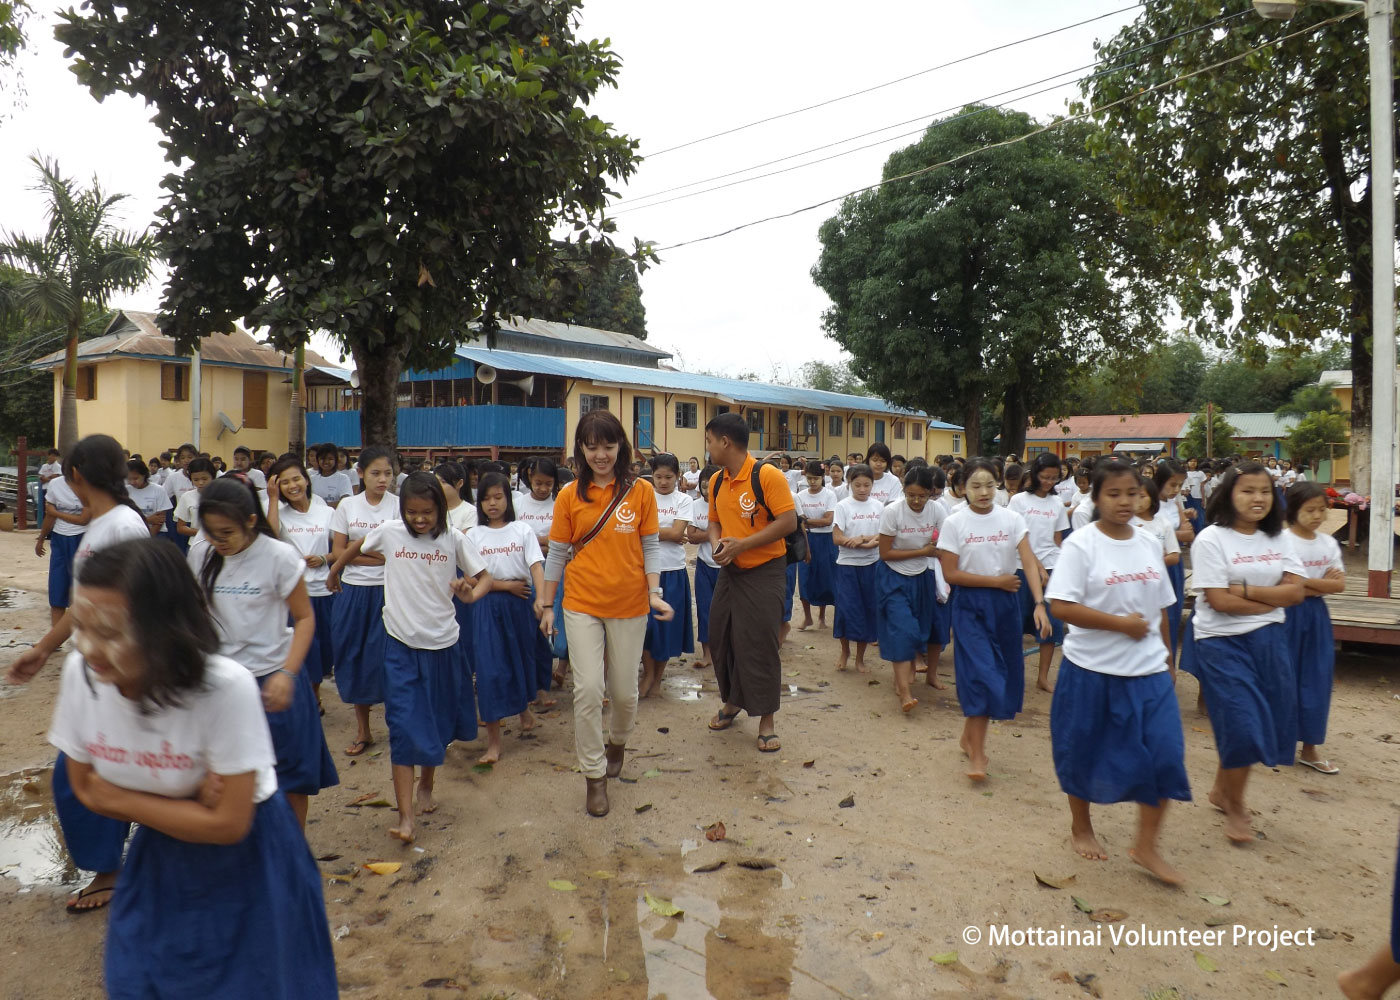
(757, 484)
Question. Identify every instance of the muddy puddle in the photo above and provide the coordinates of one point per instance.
(31, 848)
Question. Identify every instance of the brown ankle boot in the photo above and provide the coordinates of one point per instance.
(597, 801)
(614, 752)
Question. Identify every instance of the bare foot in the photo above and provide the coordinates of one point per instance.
(1153, 862)
(424, 802)
(841, 662)
(1360, 984)
(1238, 829)
(1086, 845)
(491, 756)
(807, 624)
(977, 767)
(1217, 800)
(933, 680)
(907, 703)
(527, 720)
(702, 664)
(1044, 686)
(861, 668)
(404, 831)
(545, 701)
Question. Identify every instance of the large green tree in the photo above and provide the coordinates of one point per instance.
(388, 172)
(606, 295)
(65, 276)
(1255, 173)
(1196, 444)
(1001, 277)
(1164, 379)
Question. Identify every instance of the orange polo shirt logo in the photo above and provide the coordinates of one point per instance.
(625, 517)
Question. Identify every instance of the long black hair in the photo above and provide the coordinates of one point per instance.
(485, 483)
(168, 613)
(594, 428)
(455, 476)
(103, 466)
(920, 476)
(1039, 464)
(544, 466)
(1221, 509)
(1299, 494)
(423, 486)
(1167, 469)
(235, 498)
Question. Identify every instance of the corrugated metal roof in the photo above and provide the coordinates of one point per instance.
(1113, 427)
(1341, 378)
(571, 333)
(1260, 425)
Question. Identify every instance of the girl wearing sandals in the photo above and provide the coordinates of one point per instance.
(359, 608)
(535, 509)
(1309, 624)
(697, 533)
(612, 584)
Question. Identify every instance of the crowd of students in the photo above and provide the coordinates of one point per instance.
(460, 596)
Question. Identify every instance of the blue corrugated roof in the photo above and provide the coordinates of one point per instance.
(738, 390)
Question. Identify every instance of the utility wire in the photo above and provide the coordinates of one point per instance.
(628, 205)
(1017, 139)
(891, 83)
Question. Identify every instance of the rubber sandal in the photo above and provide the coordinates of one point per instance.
(724, 719)
(1321, 766)
(358, 747)
(766, 743)
(83, 894)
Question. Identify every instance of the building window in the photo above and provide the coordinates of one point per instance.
(833, 426)
(916, 431)
(899, 430)
(87, 382)
(255, 400)
(1036, 450)
(810, 425)
(756, 420)
(587, 403)
(721, 409)
(174, 382)
(857, 427)
(688, 415)
(957, 443)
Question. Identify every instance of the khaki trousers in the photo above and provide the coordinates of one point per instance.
(603, 650)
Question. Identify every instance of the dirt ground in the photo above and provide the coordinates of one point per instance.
(875, 862)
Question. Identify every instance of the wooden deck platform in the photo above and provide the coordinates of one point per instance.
(1357, 618)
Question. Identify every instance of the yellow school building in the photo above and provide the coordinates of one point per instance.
(525, 396)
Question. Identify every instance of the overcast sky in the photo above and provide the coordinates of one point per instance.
(745, 301)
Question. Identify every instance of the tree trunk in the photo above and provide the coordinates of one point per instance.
(379, 366)
(296, 434)
(68, 408)
(1014, 422)
(972, 425)
(1361, 391)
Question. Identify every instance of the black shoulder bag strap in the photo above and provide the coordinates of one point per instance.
(623, 489)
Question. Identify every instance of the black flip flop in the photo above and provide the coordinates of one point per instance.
(724, 719)
(359, 747)
(83, 894)
(763, 742)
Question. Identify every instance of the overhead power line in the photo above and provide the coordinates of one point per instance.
(628, 206)
(1015, 140)
(891, 83)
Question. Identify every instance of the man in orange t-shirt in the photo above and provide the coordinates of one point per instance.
(746, 614)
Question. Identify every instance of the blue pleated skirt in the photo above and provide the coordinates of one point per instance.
(857, 604)
(221, 921)
(903, 615)
(988, 668)
(304, 764)
(1251, 691)
(320, 658)
(424, 708)
(706, 577)
(816, 579)
(504, 653)
(789, 589)
(62, 549)
(941, 618)
(95, 842)
(667, 640)
(1309, 628)
(1177, 575)
(1118, 739)
(1027, 599)
(358, 617)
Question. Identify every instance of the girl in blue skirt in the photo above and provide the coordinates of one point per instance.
(980, 547)
(506, 621)
(856, 533)
(904, 615)
(65, 520)
(252, 583)
(817, 576)
(303, 521)
(535, 509)
(940, 617)
(359, 606)
(461, 514)
(1114, 723)
(1168, 477)
(1246, 573)
(669, 639)
(424, 709)
(1309, 625)
(219, 896)
(706, 569)
(1047, 521)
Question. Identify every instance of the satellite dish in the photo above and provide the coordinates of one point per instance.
(485, 374)
(355, 379)
(225, 424)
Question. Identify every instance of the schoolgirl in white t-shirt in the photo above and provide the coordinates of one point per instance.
(1047, 522)
(1245, 573)
(155, 728)
(667, 640)
(425, 706)
(856, 534)
(303, 520)
(63, 523)
(1114, 723)
(816, 504)
(697, 533)
(253, 582)
(981, 548)
(908, 530)
(149, 498)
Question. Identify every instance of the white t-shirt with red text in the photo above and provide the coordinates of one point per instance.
(418, 573)
(985, 544)
(1222, 556)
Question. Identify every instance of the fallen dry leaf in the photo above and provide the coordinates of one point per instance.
(849, 802)
(756, 864)
(602, 875)
(713, 866)
(383, 867)
(1107, 915)
(1206, 963)
(1053, 881)
(945, 958)
(809, 763)
(562, 885)
(663, 907)
(715, 832)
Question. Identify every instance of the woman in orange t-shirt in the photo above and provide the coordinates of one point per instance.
(613, 583)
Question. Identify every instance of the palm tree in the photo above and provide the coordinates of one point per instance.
(70, 273)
